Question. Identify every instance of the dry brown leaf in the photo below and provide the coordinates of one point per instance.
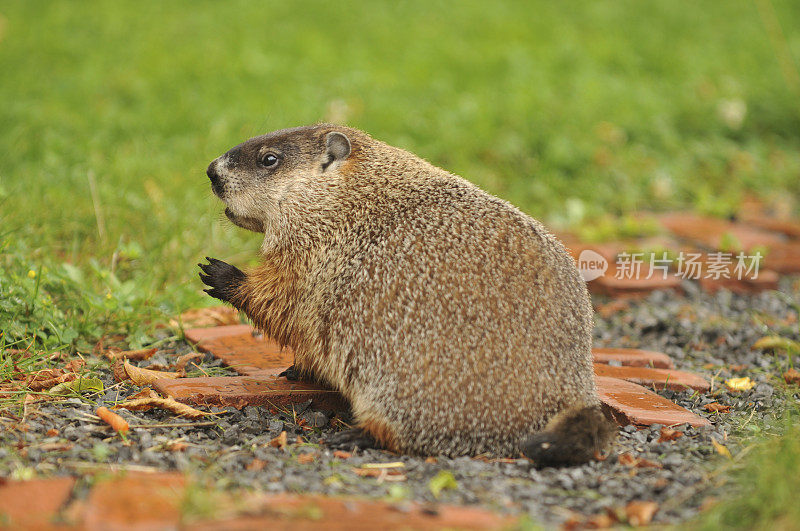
(791, 376)
(184, 360)
(204, 317)
(341, 454)
(637, 462)
(716, 407)
(40, 385)
(52, 432)
(668, 434)
(118, 423)
(386, 474)
(176, 446)
(640, 512)
(136, 355)
(256, 465)
(305, 459)
(144, 392)
(118, 368)
(431, 460)
(164, 403)
(74, 365)
(279, 441)
(721, 449)
(143, 377)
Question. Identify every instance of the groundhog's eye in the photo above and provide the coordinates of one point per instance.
(269, 160)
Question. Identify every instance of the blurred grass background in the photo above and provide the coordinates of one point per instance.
(576, 112)
(111, 111)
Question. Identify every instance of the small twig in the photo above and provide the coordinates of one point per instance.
(174, 425)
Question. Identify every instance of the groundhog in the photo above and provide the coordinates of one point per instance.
(452, 322)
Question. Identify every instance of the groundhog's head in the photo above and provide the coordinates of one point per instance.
(255, 177)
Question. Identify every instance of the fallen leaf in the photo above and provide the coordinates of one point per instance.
(170, 404)
(792, 376)
(75, 365)
(740, 384)
(256, 465)
(52, 432)
(118, 423)
(118, 368)
(305, 459)
(737, 368)
(721, 449)
(79, 385)
(776, 343)
(668, 434)
(204, 317)
(637, 462)
(443, 480)
(383, 474)
(716, 407)
(341, 454)
(394, 464)
(180, 365)
(176, 446)
(143, 377)
(135, 355)
(640, 512)
(144, 392)
(279, 441)
(431, 460)
(48, 383)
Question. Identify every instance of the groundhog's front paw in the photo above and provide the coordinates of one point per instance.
(221, 278)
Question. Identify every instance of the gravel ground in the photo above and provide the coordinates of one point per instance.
(708, 334)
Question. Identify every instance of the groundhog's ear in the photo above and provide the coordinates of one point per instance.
(338, 147)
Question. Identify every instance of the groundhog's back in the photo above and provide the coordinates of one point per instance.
(463, 325)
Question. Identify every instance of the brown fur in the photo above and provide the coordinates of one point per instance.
(454, 323)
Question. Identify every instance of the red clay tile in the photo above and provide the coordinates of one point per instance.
(290, 511)
(33, 504)
(638, 286)
(788, 227)
(244, 352)
(632, 357)
(628, 403)
(712, 232)
(135, 502)
(766, 280)
(654, 378)
(240, 391)
(784, 257)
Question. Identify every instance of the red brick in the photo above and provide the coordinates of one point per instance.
(629, 403)
(240, 391)
(632, 357)
(766, 280)
(290, 511)
(711, 232)
(240, 349)
(33, 504)
(788, 227)
(135, 502)
(635, 287)
(654, 378)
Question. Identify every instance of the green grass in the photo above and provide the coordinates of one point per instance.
(573, 111)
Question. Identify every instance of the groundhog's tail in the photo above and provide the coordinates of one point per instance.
(571, 437)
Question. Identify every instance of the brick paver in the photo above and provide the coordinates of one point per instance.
(290, 512)
(240, 391)
(629, 403)
(654, 378)
(33, 504)
(135, 501)
(242, 349)
(632, 357)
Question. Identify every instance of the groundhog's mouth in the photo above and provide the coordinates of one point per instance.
(244, 222)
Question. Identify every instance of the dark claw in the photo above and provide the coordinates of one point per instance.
(223, 279)
(350, 440)
(291, 373)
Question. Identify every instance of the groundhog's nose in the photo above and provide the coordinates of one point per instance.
(212, 173)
